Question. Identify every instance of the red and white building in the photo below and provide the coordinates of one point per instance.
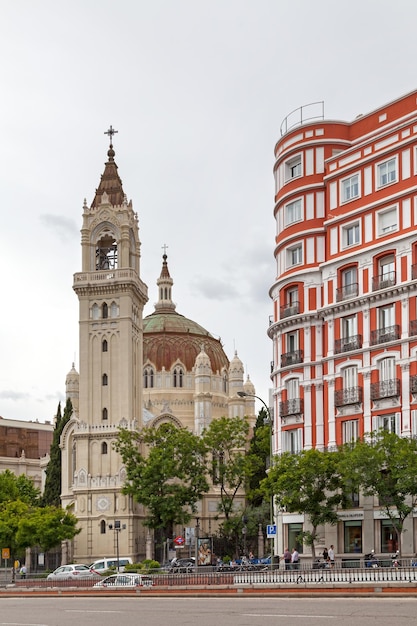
(344, 324)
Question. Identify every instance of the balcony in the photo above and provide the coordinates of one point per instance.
(382, 281)
(291, 358)
(289, 309)
(414, 271)
(413, 384)
(383, 335)
(347, 291)
(351, 395)
(346, 344)
(413, 328)
(385, 389)
(295, 406)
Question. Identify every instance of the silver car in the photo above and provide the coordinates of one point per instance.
(125, 581)
(74, 571)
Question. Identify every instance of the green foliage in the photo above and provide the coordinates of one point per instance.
(385, 465)
(14, 487)
(226, 438)
(46, 527)
(309, 482)
(257, 459)
(170, 478)
(52, 492)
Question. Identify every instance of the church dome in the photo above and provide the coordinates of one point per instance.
(169, 337)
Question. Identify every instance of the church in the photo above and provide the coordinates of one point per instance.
(134, 371)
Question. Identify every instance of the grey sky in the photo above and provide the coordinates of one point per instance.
(197, 90)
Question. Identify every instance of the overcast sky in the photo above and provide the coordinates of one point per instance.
(197, 90)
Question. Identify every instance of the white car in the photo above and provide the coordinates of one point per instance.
(125, 581)
(74, 571)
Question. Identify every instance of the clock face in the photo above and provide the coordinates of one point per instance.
(103, 503)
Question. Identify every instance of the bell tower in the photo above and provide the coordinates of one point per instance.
(111, 299)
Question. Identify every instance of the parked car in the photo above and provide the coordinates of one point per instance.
(102, 565)
(125, 581)
(75, 571)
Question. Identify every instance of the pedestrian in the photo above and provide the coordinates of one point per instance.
(287, 558)
(23, 571)
(331, 555)
(325, 555)
(295, 559)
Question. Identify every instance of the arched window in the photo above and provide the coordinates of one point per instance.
(114, 310)
(104, 414)
(94, 311)
(104, 345)
(178, 377)
(105, 380)
(103, 527)
(104, 311)
(104, 448)
(148, 377)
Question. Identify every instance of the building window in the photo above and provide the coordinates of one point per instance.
(104, 311)
(104, 448)
(386, 317)
(148, 377)
(387, 221)
(294, 256)
(350, 188)
(352, 537)
(350, 431)
(103, 527)
(95, 311)
(104, 380)
(178, 377)
(293, 212)
(387, 172)
(292, 440)
(294, 537)
(389, 423)
(291, 341)
(114, 310)
(350, 235)
(104, 414)
(293, 168)
(389, 541)
(104, 345)
(349, 329)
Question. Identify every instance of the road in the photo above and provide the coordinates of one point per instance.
(189, 611)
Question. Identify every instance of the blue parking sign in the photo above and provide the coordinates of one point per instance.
(271, 531)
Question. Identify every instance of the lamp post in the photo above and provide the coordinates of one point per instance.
(269, 421)
(117, 528)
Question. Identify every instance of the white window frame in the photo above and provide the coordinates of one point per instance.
(350, 376)
(350, 188)
(349, 326)
(355, 228)
(386, 316)
(390, 422)
(387, 221)
(293, 212)
(293, 388)
(294, 167)
(350, 431)
(291, 252)
(292, 440)
(387, 172)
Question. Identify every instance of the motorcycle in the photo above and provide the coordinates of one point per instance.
(395, 559)
(371, 560)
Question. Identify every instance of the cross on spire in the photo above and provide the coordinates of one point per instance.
(164, 247)
(110, 133)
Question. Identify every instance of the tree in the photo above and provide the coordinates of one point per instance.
(257, 457)
(53, 481)
(46, 527)
(14, 487)
(226, 438)
(170, 478)
(385, 466)
(309, 482)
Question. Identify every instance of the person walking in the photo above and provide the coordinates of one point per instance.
(331, 555)
(287, 558)
(295, 559)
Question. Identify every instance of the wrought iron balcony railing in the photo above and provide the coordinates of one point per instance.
(347, 291)
(350, 395)
(291, 358)
(382, 281)
(289, 309)
(385, 389)
(348, 343)
(383, 335)
(295, 406)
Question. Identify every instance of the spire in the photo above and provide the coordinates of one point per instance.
(110, 182)
(165, 284)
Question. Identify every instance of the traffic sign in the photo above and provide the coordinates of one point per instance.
(271, 531)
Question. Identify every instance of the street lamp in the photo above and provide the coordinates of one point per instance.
(269, 421)
(117, 528)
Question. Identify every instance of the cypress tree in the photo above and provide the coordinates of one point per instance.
(52, 493)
